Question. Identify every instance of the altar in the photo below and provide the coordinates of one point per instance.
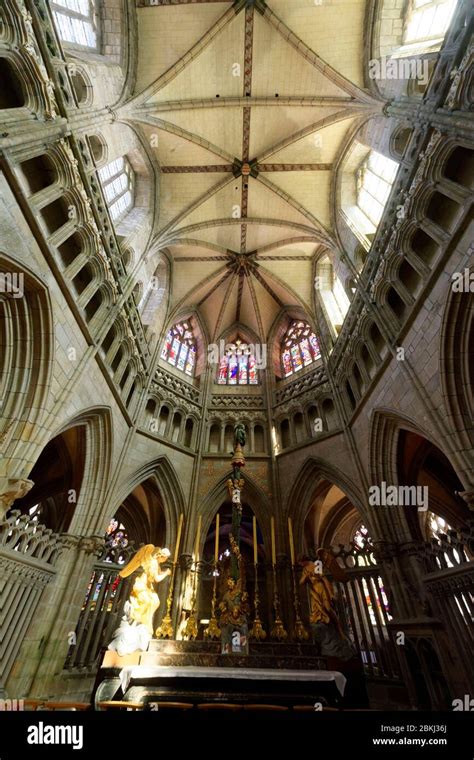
(286, 674)
(236, 658)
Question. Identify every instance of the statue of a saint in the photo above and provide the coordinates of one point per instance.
(327, 630)
(136, 627)
(239, 434)
(234, 605)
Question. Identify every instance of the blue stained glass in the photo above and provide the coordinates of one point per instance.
(182, 357)
(307, 358)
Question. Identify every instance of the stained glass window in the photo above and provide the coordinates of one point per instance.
(300, 348)
(364, 547)
(377, 595)
(238, 366)
(437, 525)
(116, 534)
(117, 180)
(116, 539)
(76, 22)
(374, 182)
(35, 513)
(179, 348)
(361, 537)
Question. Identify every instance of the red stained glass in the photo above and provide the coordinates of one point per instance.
(179, 348)
(299, 348)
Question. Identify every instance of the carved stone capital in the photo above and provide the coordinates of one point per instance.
(70, 540)
(91, 544)
(12, 489)
(468, 497)
(86, 544)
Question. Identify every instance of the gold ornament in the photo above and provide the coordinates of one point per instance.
(143, 600)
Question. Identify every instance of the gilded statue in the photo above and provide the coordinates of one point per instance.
(327, 630)
(136, 627)
(234, 605)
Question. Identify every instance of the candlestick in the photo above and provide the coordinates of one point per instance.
(292, 546)
(278, 630)
(178, 539)
(190, 630)
(256, 632)
(299, 631)
(273, 541)
(254, 540)
(165, 630)
(216, 549)
(213, 631)
(198, 536)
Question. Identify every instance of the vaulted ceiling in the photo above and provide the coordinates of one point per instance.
(246, 105)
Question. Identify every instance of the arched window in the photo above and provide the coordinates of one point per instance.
(334, 297)
(116, 539)
(238, 365)
(427, 21)
(117, 180)
(76, 22)
(374, 182)
(179, 348)
(361, 537)
(436, 528)
(299, 348)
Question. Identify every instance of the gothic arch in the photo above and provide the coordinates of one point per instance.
(27, 350)
(391, 437)
(200, 333)
(457, 363)
(252, 494)
(278, 331)
(170, 489)
(384, 430)
(312, 473)
(98, 456)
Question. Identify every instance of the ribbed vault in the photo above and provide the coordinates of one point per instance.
(246, 105)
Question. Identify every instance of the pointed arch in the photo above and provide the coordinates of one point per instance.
(173, 500)
(310, 476)
(385, 428)
(200, 337)
(26, 353)
(457, 363)
(252, 495)
(97, 422)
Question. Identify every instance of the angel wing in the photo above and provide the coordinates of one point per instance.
(143, 554)
(329, 561)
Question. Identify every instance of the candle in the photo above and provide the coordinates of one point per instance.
(254, 540)
(273, 541)
(198, 535)
(216, 549)
(180, 528)
(292, 546)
